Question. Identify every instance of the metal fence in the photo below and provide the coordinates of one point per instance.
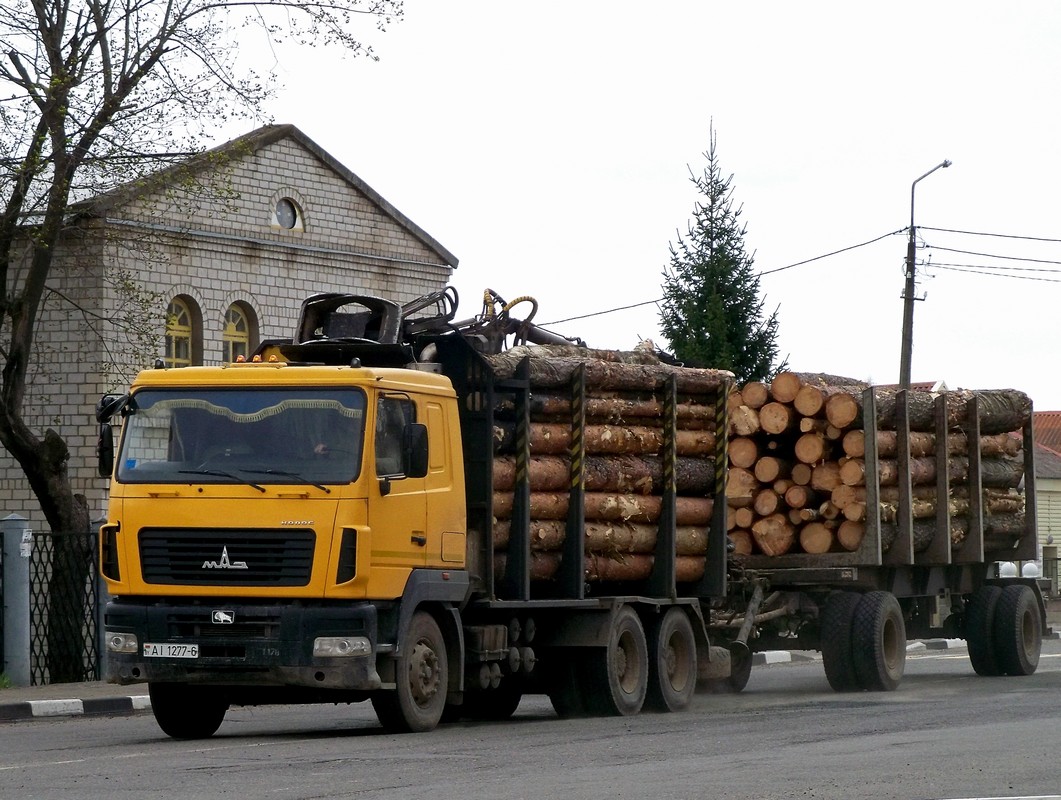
(64, 608)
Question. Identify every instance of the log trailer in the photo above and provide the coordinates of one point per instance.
(397, 507)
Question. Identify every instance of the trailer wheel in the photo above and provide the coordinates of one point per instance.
(878, 642)
(1018, 631)
(672, 662)
(422, 677)
(187, 712)
(980, 630)
(835, 640)
(618, 674)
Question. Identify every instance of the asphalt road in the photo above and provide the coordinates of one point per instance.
(945, 733)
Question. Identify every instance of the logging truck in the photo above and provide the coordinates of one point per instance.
(440, 516)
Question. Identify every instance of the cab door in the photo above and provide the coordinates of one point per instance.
(397, 504)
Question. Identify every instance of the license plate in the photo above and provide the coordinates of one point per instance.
(169, 650)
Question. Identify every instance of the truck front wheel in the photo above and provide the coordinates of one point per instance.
(187, 712)
(421, 678)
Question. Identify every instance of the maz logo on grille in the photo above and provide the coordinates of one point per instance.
(220, 617)
(225, 562)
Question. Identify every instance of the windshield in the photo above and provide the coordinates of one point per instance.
(249, 436)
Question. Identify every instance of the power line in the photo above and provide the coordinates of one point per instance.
(970, 268)
(767, 272)
(982, 271)
(992, 255)
(835, 252)
(997, 235)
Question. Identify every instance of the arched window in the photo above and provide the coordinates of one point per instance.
(237, 334)
(179, 334)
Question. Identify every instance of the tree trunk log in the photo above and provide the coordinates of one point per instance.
(817, 537)
(766, 502)
(547, 371)
(774, 535)
(812, 448)
(744, 421)
(755, 394)
(769, 469)
(741, 487)
(743, 451)
(785, 386)
(608, 507)
(743, 543)
(924, 444)
(777, 418)
(850, 535)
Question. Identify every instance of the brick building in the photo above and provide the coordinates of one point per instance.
(196, 265)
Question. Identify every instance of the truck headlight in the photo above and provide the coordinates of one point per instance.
(342, 646)
(122, 642)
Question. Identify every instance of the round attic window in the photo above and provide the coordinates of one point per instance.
(286, 213)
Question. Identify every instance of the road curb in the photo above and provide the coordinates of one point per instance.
(74, 707)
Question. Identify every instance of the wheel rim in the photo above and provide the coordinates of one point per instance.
(676, 662)
(1028, 631)
(423, 673)
(890, 643)
(626, 668)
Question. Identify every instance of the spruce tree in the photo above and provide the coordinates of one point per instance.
(712, 313)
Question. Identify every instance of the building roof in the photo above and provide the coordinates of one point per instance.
(1047, 427)
(247, 145)
(1047, 462)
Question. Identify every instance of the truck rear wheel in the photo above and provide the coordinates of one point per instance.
(421, 678)
(187, 712)
(618, 675)
(835, 640)
(878, 642)
(980, 630)
(1018, 631)
(672, 662)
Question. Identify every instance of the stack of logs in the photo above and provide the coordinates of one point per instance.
(797, 478)
(623, 468)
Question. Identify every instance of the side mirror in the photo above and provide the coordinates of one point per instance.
(414, 449)
(109, 405)
(105, 450)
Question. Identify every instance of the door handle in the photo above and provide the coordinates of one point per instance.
(420, 539)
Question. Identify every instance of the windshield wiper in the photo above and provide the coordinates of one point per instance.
(222, 474)
(286, 474)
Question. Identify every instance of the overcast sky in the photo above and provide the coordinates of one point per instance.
(548, 146)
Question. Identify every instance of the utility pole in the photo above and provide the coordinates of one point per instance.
(911, 288)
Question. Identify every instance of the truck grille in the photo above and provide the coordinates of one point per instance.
(229, 557)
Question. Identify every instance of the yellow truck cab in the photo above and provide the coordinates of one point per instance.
(266, 522)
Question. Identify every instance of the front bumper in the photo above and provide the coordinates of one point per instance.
(242, 643)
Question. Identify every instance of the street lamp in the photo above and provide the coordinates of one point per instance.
(908, 294)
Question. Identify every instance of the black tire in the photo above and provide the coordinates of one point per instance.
(878, 642)
(421, 677)
(672, 662)
(740, 660)
(618, 674)
(187, 712)
(835, 641)
(1018, 631)
(980, 630)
